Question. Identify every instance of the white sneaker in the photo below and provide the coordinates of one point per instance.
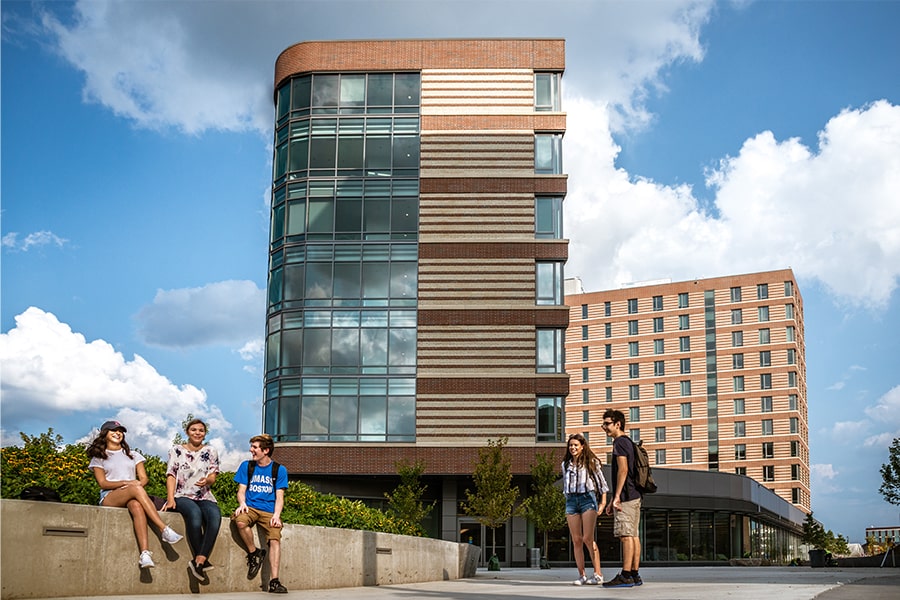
(145, 561)
(583, 580)
(169, 536)
(597, 579)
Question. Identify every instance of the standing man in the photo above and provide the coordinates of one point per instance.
(260, 497)
(626, 501)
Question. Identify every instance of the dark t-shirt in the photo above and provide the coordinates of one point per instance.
(623, 446)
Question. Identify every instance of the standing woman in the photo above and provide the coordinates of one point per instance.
(122, 477)
(582, 482)
(193, 467)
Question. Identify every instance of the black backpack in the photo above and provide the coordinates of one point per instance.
(643, 474)
(39, 492)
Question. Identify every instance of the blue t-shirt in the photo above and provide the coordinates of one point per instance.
(260, 492)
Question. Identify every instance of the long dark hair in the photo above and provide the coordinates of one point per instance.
(586, 459)
(97, 448)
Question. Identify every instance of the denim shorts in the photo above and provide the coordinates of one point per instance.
(577, 504)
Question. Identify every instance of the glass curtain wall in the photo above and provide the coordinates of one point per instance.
(343, 259)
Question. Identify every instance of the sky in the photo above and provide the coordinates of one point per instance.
(703, 139)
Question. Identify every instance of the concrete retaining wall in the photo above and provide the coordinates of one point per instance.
(51, 549)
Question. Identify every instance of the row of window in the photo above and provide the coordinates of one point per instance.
(684, 323)
(684, 345)
(766, 403)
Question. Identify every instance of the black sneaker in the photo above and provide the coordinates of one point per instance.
(619, 581)
(197, 570)
(275, 587)
(637, 580)
(254, 562)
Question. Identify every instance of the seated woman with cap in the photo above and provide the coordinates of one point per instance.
(121, 475)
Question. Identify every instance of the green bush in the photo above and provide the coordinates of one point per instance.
(45, 460)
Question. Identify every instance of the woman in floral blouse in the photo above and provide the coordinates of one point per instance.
(192, 470)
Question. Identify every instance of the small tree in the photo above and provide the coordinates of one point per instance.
(890, 474)
(546, 507)
(813, 533)
(405, 502)
(493, 501)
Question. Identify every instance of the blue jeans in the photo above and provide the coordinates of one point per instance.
(202, 519)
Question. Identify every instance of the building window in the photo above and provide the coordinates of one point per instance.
(737, 361)
(659, 434)
(795, 425)
(768, 472)
(767, 427)
(632, 306)
(737, 339)
(659, 390)
(585, 374)
(765, 381)
(634, 434)
(660, 457)
(788, 311)
(792, 401)
(765, 404)
(685, 387)
(584, 332)
(795, 472)
(550, 418)
(634, 414)
(608, 394)
(768, 450)
(683, 300)
(607, 309)
(791, 356)
(684, 343)
(738, 383)
(795, 495)
(788, 289)
(740, 452)
(765, 358)
(659, 368)
(657, 303)
(764, 336)
(549, 283)
(633, 327)
(789, 333)
(660, 410)
(684, 366)
(738, 406)
(735, 294)
(740, 428)
(685, 410)
(546, 92)
(548, 153)
(740, 471)
(607, 350)
(795, 449)
(584, 353)
(684, 322)
(634, 392)
(584, 311)
(687, 433)
(548, 223)
(737, 316)
(632, 348)
(687, 455)
(585, 417)
(607, 330)
(762, 314)
(658, 325)
(585, 396)
(659, 347)
(762, 291)
(550, 350)
(608, 372)
(634, 370)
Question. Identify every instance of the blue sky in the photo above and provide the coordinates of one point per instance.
(704, 139)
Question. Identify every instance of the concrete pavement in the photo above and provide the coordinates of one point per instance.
(660, 583)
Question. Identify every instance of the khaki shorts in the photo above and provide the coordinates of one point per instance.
(257, 517)
(627, 520)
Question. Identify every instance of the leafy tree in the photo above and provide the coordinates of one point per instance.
(546, 507)
(890, 474)
(45, 461)
(405, 502)
(813, 533)
(493, 501)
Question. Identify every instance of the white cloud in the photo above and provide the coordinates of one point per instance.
(223, 313)
(51, 373)
(886, 411)
(831, 215)
(38, 239)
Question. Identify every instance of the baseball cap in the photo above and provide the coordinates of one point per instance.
(111, 425)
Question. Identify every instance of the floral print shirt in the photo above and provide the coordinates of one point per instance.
(188, 467)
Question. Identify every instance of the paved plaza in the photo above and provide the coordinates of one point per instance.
(660, 583)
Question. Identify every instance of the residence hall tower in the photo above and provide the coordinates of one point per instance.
(415, 294)
(710, 374)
